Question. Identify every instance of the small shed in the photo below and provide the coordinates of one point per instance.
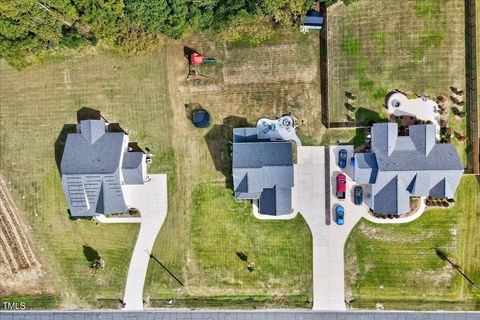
(200, 118)
(313, 20)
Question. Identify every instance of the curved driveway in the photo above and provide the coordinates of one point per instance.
(151, 200)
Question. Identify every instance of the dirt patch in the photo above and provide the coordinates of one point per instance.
(19, 267)
(351, 275)
(387, 236)
(437, 279)
(286, 62)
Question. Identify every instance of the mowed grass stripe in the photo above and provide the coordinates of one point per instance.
(34, 109)
(389, 262)
(404, 46)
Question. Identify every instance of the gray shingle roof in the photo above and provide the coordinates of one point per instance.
(102, 156)
(366, 168)
(263, 170)
(90, 169)
(400, 167)
(245, 135)
(132, 169)
(258, 154)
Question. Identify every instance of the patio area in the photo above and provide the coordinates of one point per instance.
(282, 129)
(408, 111)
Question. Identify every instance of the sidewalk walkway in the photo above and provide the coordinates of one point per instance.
(151, 200)
(103, 219)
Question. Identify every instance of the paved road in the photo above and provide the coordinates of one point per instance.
(151, 200)
(238, 315)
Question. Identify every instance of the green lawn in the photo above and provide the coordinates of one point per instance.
(396, 265)
(374, 47)
(46, 302)
(268, 244)
(147, 96)
(344, 136)
(35, 105)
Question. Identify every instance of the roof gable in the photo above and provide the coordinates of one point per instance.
(92, 130)
(415, 166)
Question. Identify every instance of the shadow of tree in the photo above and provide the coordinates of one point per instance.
(242, 255)
(364, 116)
(90, 253)
(219, 140)
(358, 140)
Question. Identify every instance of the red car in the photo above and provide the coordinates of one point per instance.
(341, 186)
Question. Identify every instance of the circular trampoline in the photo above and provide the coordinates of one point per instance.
(200, 118)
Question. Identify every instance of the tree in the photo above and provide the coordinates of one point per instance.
(159, 16)
(104, 18)
(152, 14)
(135, 39)
(27, 32)
(254, 28)
(285, 12)
(33, 29)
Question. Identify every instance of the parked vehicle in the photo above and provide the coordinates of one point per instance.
(341, 186)
(339, 215)
(342, 158)
(358, 195)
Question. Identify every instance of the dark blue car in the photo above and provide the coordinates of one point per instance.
(342, 158)
(339, 215)
(358, 195)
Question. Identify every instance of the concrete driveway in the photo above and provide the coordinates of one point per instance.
(352, 211)
(151, 200)
(308, 198)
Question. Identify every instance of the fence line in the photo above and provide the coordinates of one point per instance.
(471, 83)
